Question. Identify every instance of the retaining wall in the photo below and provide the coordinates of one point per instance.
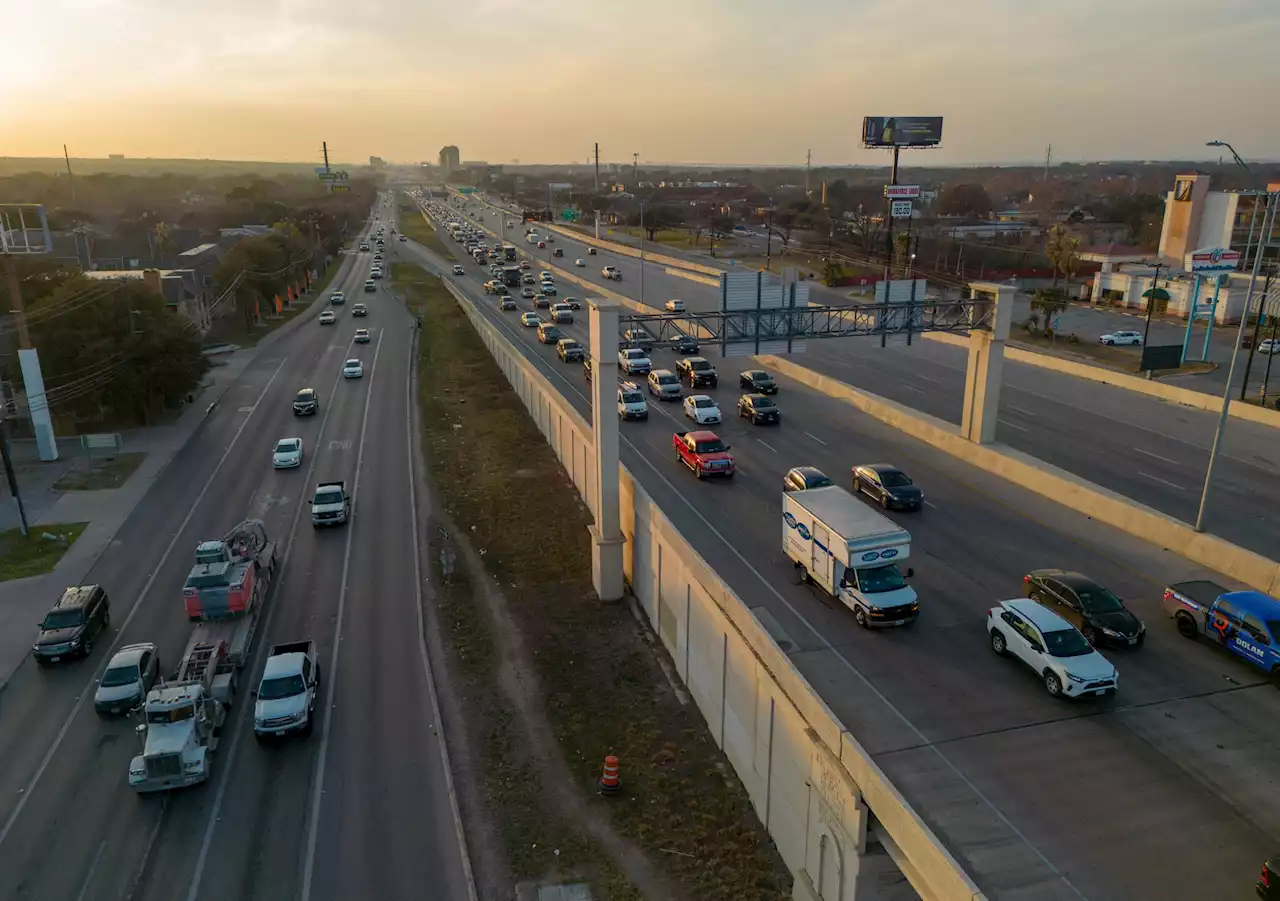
(796, 760)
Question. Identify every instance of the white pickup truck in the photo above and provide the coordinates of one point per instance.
(331, 505)
(286, 696)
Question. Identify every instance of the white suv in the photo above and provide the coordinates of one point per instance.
(631, 403)
(1052, 647)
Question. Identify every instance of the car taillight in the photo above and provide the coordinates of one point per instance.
(1266, 876)
(1026, 579)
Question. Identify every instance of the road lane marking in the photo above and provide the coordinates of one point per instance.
(925, 378)
(459, 830)
(317, 781)
(88, 691)
(766, 445)
(913, 388)
(931, 505)
(1161, 481)
(1020, 410)
(93, 868)
(202, 858)
(1157, 456)
(816, 438)
(1014, 425)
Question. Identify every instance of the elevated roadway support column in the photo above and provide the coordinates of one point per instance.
(986, 362)
(606, 534)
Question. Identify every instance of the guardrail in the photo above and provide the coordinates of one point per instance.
(810, 781)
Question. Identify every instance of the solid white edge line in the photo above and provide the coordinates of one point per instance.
(317, 785)
(827, 646)
(87, 692)
(410, 418)
(206, 842)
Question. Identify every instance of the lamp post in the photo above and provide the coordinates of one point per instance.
(1268, 224)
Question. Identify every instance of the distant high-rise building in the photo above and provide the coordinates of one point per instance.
(450, 159)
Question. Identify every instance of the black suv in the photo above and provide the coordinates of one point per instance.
(1087, 605)
(698, 372)
(68, 630)
(306, 403)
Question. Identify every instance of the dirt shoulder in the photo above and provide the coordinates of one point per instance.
(550, 680)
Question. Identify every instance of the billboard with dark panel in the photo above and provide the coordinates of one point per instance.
(902, 131)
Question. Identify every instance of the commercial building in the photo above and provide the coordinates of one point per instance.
(1195, 218)
(450, 160)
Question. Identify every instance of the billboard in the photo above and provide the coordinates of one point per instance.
(902, 131)
(901, 192)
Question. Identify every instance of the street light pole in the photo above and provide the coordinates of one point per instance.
(768, 240)
(642, 204)
(1268, 224)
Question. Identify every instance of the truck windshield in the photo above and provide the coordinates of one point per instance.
(328, 497)
(709, 447)
(62, 619)
(171, 715)
(876, 579)
(281, 687)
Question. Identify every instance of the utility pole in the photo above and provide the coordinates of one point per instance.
(11, 476)
(808, 166)
(635, 171)
(768, 240)
(597, 183)
(642, 233)
(1048, 158)
(1253, 345)
(70, 178)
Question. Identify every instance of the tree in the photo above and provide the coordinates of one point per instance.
(1063, 250)
(114, 347)
(659, 216)
(964, 200)
(1046, 303)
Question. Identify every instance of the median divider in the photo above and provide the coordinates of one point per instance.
(810, 781)
(625, 250)
(694, 277)
(1184, 396)
(1050, 482)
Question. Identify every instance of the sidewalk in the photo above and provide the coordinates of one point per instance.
(24, 601)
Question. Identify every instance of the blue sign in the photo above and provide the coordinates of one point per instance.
(789, 520)
(889, 554)
(870, 555)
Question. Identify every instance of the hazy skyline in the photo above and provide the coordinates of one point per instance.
(717, 82)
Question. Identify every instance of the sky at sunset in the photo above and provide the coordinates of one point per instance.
(729, 81)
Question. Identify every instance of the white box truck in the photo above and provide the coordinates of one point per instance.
(852, 552)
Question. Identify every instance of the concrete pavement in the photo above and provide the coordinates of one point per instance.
(274, 821)
(1151, 451)
(1045, 799)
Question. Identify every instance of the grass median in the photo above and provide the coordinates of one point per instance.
(416, 228)
(601, 686)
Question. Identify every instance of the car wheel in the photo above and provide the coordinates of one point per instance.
(860, 617)
(884, 501)
(1052, 683)
(805, 578)
(1187, 626)
(106, 620)
(998, 643)
(87, 648)
(1090, 635)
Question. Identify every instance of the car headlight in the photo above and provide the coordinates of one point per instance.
(191, 766)
(1111, 632)
(75, 642)
(1074, 678)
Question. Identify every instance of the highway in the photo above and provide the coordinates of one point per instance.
(1153, 794)
(1146, 449)
(358, 809)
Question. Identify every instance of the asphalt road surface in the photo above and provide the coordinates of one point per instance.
(1145, 449)
(1153, 794)
(359, 809)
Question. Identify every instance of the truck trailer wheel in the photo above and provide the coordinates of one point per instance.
(1186, 626)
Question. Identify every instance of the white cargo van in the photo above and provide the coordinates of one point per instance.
(850, 551)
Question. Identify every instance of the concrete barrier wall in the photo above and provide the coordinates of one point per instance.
(1055, 484)
(1155, 388)
(626, 250)
(811, 783)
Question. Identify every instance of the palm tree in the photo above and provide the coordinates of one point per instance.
(1063, 250)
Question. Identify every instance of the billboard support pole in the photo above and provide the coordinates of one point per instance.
(888, 219)
(1253, 345)
(1208, 332)
(1191, 317)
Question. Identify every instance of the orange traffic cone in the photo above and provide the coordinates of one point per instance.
(610, 784)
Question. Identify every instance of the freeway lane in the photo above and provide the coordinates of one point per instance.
(81, 833)
(1143, 448)
(1018, 786)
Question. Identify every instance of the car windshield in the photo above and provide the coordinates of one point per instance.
(632, 397)
(699, 364)
(120, 675)
(761, 402)
(880, 578)
(667, 379)
(1066, 643)
(760, 376)
(815, 480)
(286, 447)
(281, 687)
(1099, 600)
(894, 479)
(63, 619)
(703, 402)
(304, 396)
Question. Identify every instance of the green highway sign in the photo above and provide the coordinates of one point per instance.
(332, 176)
